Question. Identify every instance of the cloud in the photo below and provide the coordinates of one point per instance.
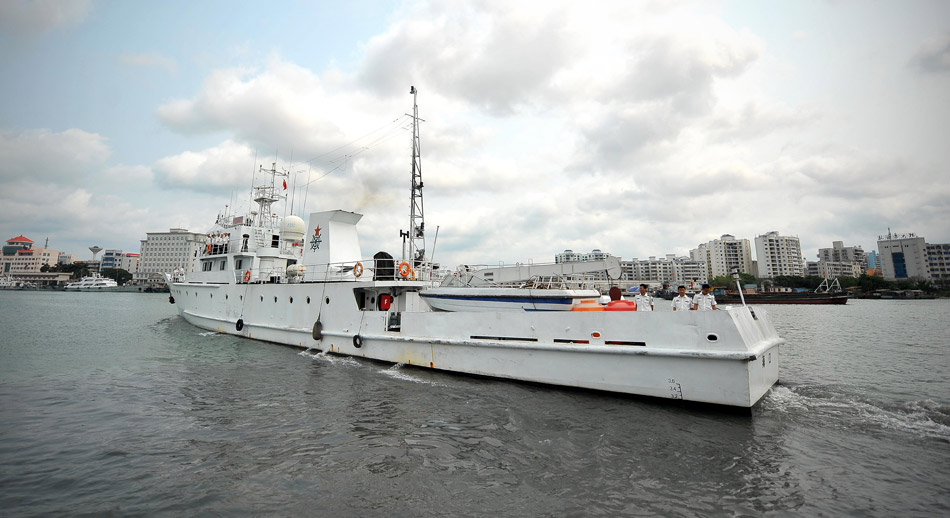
(228, 165)
(46, 156)
(283, 105)
(32, 18)
(150, 61)
(495, 56)
(933, 56)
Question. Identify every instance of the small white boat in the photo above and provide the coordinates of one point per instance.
(94, 282)
(520, 287)
(460, 298)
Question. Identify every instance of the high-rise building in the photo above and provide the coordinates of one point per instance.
(938, 261)
(843, 254)
(163, 252)
(778, 255)
(903, 256)
(724, 255)
(832, 269)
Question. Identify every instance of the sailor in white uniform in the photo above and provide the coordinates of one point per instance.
(643, 299)
(681, 302)
(704, 301)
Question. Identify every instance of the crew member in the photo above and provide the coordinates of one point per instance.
(704, 301)
(681, 302)
(643, 299)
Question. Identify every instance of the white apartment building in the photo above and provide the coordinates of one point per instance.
(668, 271)
(163, 252)
(844, 254)
(832, 269)
(569, 256)
(778, 255)
(725, 254)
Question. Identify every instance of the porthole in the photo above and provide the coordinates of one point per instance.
(291, 300)
(328, 300)
(308, 300)
(712, 337)
(211, 295)
(241, 297)
(225, 297)
(275, 300)
(262, 298)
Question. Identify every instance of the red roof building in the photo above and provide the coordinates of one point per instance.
(18, 239)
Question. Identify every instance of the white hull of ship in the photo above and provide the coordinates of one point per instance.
(723, 357)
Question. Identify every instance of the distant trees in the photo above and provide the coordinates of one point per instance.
(78, 270)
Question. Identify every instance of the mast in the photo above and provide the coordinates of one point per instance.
(417, 225)
(266, 195)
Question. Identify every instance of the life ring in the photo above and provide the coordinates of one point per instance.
(208, 249)
(358, 270)
(404, 269)
(247, 276)
(357, 341)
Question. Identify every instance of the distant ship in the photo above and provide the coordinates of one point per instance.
(805, 297)
(94, 282)
(826, 293)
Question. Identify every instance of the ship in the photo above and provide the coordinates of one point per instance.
(826, 293)
(307, 284)
(732, 297)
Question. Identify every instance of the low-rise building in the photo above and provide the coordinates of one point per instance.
(129, 262)
(832, 269)
(667, 271)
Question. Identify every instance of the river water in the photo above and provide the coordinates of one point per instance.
(111, 404)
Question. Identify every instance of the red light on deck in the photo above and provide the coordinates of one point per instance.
(595, 334)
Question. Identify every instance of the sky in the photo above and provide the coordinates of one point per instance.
(640, 128)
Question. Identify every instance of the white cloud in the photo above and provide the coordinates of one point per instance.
(227, 165)
(62, 157)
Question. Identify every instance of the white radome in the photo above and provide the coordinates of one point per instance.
(292, 228)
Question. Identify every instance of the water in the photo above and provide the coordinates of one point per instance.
(112, 404)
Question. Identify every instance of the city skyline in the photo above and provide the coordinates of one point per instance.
(643, 129)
